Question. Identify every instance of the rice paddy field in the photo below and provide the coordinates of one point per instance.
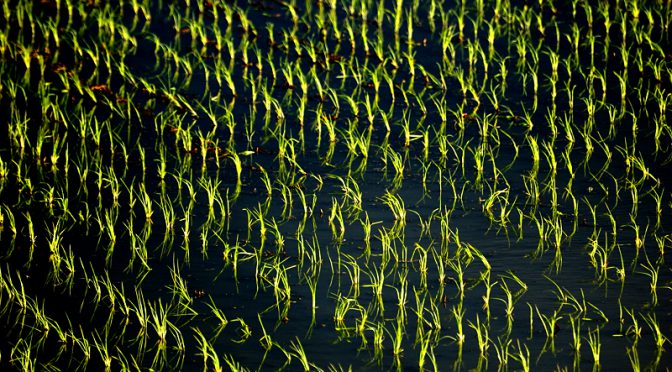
(335, 185)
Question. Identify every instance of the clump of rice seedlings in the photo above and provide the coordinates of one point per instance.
(207, 351)
(652, 272)
(458, 312)
(510, 298)
(633, 357)
(593, 340)
(659, 338)
(576, 335)
(482, 337)
(502, 350)
(353, 270)
(522, 356)
(549, 323)
(397, 337)
(398, 209)
(343, 307)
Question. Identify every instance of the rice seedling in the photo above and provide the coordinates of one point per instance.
(576, 334)
(481, 335)
(595, 345)
(522, 356)
(458, 314)
(397, 337)
(300, 353)
(633, 357)
(343, 307)
(549, 323)
(659, 338)
(207, 351)
(509, 299)
(651, 272)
